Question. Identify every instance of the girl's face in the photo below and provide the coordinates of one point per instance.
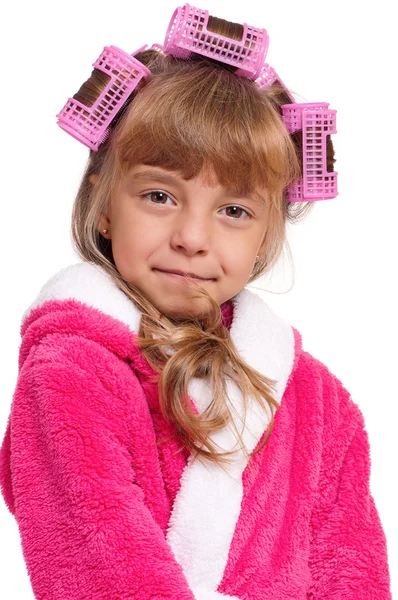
(159, 224)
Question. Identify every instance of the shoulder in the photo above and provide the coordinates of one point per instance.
(75, 355)
(79, 315)
(90, 285)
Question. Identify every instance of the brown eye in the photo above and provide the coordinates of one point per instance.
(236, 212)
(157, 197)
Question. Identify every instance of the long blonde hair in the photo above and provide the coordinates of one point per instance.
(190, 116)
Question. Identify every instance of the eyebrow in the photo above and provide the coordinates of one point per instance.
(169, 178)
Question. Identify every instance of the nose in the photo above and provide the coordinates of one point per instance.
(191, 232)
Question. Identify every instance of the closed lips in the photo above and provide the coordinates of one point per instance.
(184, 273)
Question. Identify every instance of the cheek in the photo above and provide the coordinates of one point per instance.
(241, 256)
(134, 240)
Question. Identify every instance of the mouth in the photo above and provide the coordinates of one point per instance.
(182, 275)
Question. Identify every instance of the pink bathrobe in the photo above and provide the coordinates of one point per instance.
(106, 512)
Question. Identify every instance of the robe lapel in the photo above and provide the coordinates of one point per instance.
(207, 506)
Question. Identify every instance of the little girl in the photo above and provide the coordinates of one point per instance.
(168, 436)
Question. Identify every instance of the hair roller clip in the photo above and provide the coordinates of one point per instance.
(191, 31)
(316, 122)
(90, 123)
(268, 77)
(158, 47)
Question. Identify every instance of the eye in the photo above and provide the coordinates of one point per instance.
(160, 198)
(151, 196)
(237, 210)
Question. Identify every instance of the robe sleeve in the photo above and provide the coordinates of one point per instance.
(86, 533)
(348, 554)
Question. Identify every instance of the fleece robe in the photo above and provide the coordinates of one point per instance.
(111, 506)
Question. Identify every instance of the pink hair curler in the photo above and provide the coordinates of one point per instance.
(90, 124)
(188, 33)
(316, 121)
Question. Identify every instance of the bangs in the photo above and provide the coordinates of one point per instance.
(201, 117)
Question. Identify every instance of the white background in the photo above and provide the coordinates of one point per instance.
(343, 298)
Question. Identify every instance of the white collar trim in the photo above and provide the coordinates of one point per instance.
(90, 284)
(207, 506)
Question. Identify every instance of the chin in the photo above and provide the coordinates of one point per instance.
(189, 310)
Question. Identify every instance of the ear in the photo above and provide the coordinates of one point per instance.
(104, 223)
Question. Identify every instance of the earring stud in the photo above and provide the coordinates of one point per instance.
(104, 231)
